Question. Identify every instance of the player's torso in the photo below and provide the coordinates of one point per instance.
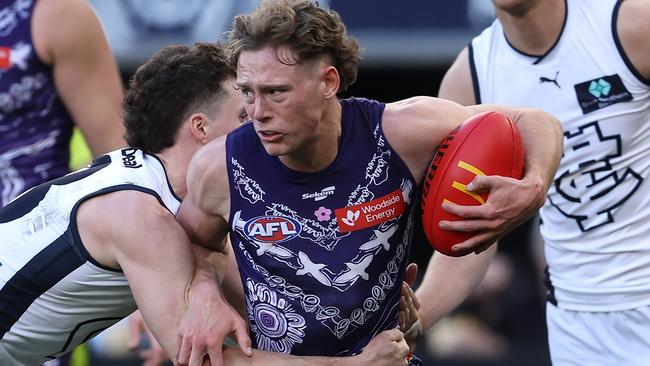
(321, 254)
(599, 203)
(53, 294)
(35, 127)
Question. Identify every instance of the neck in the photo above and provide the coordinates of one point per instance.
(535, 30)
(319, 151)
(176, 161)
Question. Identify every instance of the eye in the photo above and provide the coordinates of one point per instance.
(247, 93)
(243, 116)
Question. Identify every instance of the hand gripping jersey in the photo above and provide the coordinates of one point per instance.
(53, 295)
(35, 126)
(595, 221)
(321, 255)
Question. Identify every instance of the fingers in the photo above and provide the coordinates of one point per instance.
(135, 329)
(394, 334)
(183, 357)
(483, 183)
(244, 341)
(216, 358)
(412, 302)
(196, 357)
(411, 273)
(478, 243)
(403, 348)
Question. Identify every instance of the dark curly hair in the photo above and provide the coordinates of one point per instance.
(166, 89)
(308, 30)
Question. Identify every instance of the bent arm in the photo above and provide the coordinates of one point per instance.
(130, 230)
(156, 257)
(69, 37)
(448, 281)
(542, 138)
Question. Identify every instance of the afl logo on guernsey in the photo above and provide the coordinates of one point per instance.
(272, 229)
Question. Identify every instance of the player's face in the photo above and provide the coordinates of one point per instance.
(228, 112)
(286, 102)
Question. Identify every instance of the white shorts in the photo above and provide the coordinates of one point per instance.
(617, 338)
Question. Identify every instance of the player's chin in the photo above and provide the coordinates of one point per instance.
(275, 149)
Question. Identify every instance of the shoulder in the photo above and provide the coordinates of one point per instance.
(120, 221)
(428, 117)
(209, 159)
(207, 175)
(633, 28)
(457, 84)
(122, 209)
(57, 24)
(416, 126)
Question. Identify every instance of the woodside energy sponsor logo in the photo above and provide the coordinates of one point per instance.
(370, 213)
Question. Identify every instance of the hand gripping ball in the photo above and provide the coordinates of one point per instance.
(486, 144)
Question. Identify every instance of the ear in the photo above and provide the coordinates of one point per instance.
(199, 127)
(331, 81)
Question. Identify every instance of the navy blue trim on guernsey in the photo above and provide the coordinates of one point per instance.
(80, 249)
(89, 336)
(43, 271)
(550, 290)
(539, 58)
(620, 49)
(30, 199)
(472, 69)
(169, 184)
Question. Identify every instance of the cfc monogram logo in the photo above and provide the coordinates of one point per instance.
(462, 187)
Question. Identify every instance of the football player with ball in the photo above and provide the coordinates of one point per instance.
(322, 275)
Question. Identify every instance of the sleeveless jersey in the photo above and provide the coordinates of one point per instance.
(595, 220)
(53, 295)
(35, 126)
(321, 255)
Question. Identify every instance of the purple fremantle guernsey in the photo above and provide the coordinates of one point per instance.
(35, 127)
(321, 255)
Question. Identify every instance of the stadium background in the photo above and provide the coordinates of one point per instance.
(407, 47)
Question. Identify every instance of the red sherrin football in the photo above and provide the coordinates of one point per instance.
(488, 143)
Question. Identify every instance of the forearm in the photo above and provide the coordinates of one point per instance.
(208, 274)
(448, 282)
(543, 140)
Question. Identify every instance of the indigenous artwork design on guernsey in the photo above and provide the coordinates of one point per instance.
(276, 324)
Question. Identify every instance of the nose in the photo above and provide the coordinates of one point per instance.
(261, 111)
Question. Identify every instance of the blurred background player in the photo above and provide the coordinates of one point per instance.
(587, 62)
(56, 72)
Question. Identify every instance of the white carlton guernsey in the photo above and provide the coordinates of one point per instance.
(596, 221)
(53, 295)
